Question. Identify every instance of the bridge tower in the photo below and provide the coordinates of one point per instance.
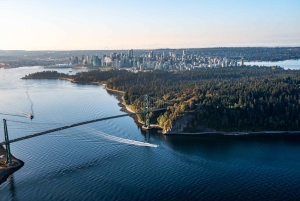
(7, 146)
(147, 113)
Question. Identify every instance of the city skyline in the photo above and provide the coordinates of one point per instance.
(81, 25)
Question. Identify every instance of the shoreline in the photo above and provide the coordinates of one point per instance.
(125, 107)
(79, 82)
(7, 170)
(250, 133)
(129, 110)
(223, 133)
(156, 126)
(108, 89)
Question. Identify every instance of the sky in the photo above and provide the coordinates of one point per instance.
(145, 24)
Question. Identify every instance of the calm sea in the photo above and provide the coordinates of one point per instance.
(287, 64)
(116, 160)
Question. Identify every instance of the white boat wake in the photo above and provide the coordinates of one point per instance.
(121, 140)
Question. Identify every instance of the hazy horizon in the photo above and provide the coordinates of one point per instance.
(118, 25)
(163, 48)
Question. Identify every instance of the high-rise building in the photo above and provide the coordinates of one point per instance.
(76, 59)
(96, 61)
(130, 53)
(151, 54)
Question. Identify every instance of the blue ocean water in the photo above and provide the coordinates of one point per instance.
(287, 64)
(97, 162)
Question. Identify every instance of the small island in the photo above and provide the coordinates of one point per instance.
(46, 75)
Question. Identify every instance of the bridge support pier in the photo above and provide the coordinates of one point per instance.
(147, 113)
(7, 146)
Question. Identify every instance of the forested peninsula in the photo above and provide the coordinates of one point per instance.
(224, 99)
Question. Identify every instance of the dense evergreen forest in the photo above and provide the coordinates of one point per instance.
(45, 75)
(98, 76)
(226, 99)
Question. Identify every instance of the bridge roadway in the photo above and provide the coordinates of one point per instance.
(77, 124)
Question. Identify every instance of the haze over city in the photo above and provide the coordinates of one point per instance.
(82, 25)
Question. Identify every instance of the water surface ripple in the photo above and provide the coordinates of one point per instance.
(100, 161)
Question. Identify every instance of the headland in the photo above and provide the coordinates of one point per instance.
(7, 169)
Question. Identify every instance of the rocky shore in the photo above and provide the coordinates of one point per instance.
(5, 169)
(274, 133)
(179, 126)
(126, 108)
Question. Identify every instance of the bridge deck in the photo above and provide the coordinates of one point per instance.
(77, 124)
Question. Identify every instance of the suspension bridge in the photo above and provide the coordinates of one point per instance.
(145, 105)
